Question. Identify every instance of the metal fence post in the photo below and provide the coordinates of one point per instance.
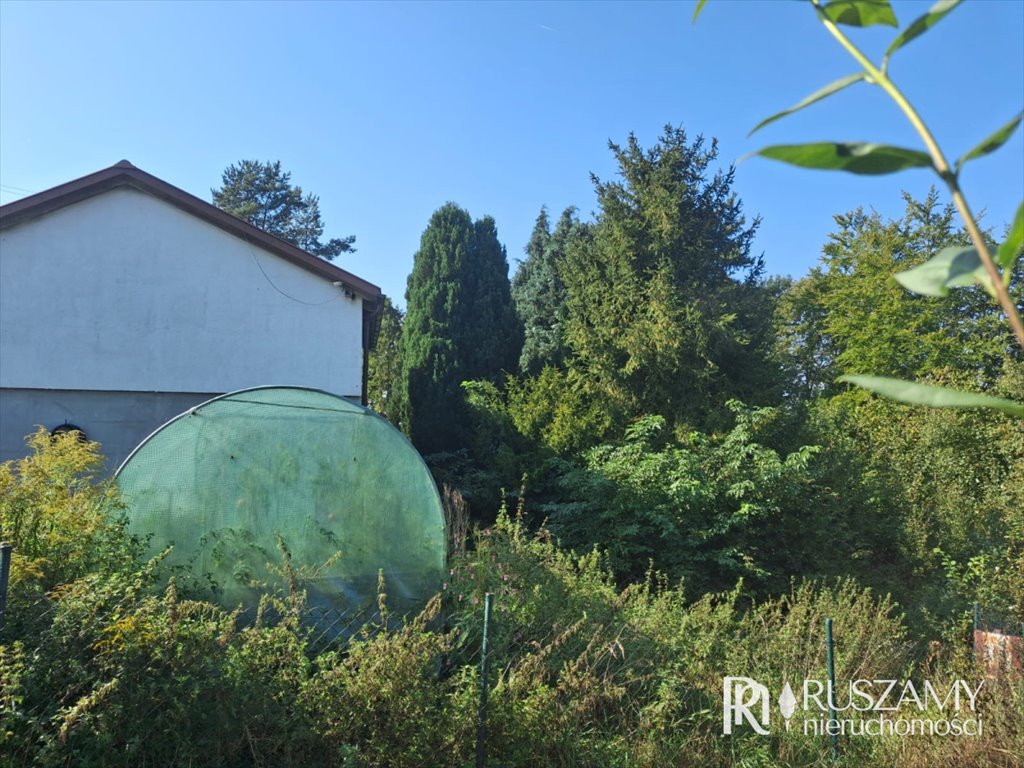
(831, 662)
(481, 727)
(5, 572)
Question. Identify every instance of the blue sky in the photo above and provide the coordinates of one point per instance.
(388, 110)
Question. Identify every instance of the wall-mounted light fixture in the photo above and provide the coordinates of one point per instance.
(349, 293)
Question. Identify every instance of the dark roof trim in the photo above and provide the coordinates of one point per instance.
(124, 174)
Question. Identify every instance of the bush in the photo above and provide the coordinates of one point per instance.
(62, 521)
(952, 482)
(382, 699)
(590, 674)
(117, 667)
(707, 509)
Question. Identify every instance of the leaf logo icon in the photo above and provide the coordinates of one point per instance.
(787, 701)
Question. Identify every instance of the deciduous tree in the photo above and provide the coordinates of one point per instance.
(849, 316)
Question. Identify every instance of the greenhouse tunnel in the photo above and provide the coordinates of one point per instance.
(346, 492)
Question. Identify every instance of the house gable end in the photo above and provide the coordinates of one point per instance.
(124, 174)
(124, 291)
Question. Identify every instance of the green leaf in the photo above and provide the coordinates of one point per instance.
(860, 13)
(1010, 249)
(952, 266)
(698, 9)
(818, 95)
(853, 157)
(931, 395)
(992, 143)
(921, 24)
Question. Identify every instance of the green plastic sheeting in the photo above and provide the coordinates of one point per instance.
(223, 480)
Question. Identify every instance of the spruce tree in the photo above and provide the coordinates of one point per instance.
(665, 311)
(539, 291)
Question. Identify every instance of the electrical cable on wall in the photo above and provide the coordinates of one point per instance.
(266, 277)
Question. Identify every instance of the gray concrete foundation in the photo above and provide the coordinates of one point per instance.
(119, 421)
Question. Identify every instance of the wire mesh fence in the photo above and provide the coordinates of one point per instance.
(120, 654)
(134, 663)
(131, 661)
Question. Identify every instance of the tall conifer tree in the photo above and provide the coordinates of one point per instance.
(495, 335)
(539, 291)
(665, 311)
(384, 390)
(459, 325)
(263, 195)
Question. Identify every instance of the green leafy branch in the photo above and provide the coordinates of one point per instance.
(951, 267)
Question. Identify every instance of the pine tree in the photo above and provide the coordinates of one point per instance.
(262, 194)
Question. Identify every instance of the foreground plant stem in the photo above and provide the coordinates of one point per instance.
(880, 78)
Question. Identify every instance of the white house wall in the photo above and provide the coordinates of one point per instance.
(124, 292)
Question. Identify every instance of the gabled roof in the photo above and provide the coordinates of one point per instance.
(124, 174)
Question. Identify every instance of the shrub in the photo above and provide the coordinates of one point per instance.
(61, 519)
(382, 699)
